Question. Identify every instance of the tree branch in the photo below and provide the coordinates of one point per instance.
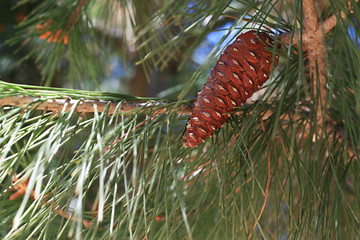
(86, 106)
(312, 38)
(311, 20)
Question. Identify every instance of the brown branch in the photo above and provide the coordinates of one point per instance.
(21, 185)
(313, 34)
(330, 23)
(311, 20)
(126, 108)
(312, 38)
(313, 43)
(86, 106)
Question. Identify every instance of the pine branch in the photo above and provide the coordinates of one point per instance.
(312, 39)
(313, 34)
(125, 107)
(326, 26)
(88, 106)
(129, 177)
(85, 106)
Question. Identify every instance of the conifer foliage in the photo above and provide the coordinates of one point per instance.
(76, 163)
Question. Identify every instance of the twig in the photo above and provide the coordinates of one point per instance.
(74, 18)
(266, 191)
(330, 23)
(21, 186)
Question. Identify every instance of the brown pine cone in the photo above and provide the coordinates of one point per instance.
(242, 69)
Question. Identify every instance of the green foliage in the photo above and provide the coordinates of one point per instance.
(267, 174)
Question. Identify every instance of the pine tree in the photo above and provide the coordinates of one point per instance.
(82, 163)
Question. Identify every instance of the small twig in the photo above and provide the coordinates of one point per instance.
(74, 18)
(330, 23)
(21, 187)
(196, 170)
(266, 192)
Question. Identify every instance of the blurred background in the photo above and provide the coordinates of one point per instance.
(120, 75)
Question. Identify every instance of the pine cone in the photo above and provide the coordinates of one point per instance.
(242, 69)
